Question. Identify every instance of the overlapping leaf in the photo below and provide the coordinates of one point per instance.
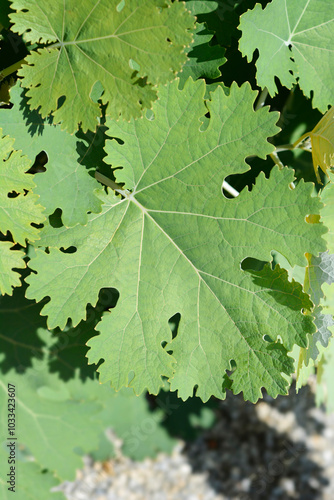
(322, 142)
(59, 406)
(126, 46)
(66, 184)
(204, 59)
(295, 38)
(19, 210)
(17, 213)
(175, 244)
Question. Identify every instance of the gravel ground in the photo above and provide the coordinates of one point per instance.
(277, 449)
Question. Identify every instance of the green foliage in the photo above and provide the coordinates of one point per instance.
(138, 44)
(172, 235)
(204, 59)
(64, 164)
(19, 210)
(159, 238)
(295, 39)
(58, 398)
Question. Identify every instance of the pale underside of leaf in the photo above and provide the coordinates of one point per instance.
(175, 244)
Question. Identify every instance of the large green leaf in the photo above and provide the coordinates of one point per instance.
(295, 39)
(175, 244)
(66, 184)
(128, 47)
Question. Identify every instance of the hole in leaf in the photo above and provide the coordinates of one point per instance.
(250, 264)
(70, 249)
(37, 226)
(13, 194)
(108, 298)
(38, 166)
(249, 178)
(6, 106)
(61, 101)
(313, 218)
(55, 218)
(119, 141)
(169, 40)
(205, 121)
(233, 364)
(228, 190)
(173, 323)
(266, 338)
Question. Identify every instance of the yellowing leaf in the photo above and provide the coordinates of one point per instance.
(321, 140)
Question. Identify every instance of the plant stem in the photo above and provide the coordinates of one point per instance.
(108, 182)
(11, 69)
(289, 147)
(261, 99)
(276, 160)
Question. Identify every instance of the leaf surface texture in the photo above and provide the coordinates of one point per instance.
(175, 245)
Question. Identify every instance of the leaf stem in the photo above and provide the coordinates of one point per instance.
(289, 147)
(11, 69)
(261, 99)
(108, 182)
(276, 160)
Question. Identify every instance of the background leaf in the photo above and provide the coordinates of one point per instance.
(295, 39)
(204, 59)
(66, 184)
(128, 48)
